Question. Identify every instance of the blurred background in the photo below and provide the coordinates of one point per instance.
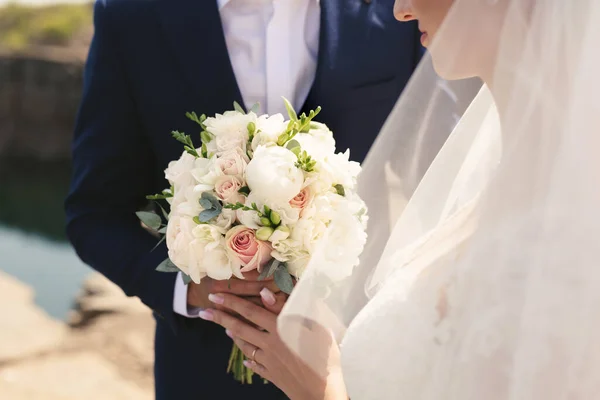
(65, 332)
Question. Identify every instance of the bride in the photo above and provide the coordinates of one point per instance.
(481, 276)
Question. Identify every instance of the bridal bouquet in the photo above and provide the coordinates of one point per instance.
(260, 193)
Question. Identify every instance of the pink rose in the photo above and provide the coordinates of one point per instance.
(241, 243)
(227, 189)
(233, 162)
(302, 199)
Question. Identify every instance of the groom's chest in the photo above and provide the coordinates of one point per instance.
(178, 61)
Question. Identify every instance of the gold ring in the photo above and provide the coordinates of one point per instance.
(254, 354)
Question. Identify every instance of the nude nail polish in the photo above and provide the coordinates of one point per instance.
(206, 315)
(268, 297)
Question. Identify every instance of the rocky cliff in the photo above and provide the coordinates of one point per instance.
(105, 352)
(40, 91)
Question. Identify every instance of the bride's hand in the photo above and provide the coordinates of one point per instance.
(270, 356)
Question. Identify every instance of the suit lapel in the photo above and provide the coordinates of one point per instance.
(195, 34)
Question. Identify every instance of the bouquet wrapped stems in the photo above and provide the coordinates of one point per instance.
(236, 367)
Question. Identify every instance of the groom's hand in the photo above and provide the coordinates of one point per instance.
(250, 288)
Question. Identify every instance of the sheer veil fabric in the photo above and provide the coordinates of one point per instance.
(481, 275)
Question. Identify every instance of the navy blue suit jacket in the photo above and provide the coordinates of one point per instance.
(151, 61)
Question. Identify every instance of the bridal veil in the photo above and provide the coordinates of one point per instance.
(523, 305)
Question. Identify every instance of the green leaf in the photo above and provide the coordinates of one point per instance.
(238, 108)
(162, 210)
(294, 147)
(163, 230)
(162, 239)
(206, 137)
(290, 110)
(204, 151)
(340, 189)
(255, 108)
(267, 272)
(150, 219)
(186, 278)
(284, 280)
(167, 266)
(194, 117)
(245, 190)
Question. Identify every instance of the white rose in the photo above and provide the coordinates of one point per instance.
(196, 268)
(179, 236)
(268, 129)
(219, 265)
(225, 220)
(207, 233)
(186, 202)
(292, 253)
(178, 172)
(227, 189)
(205, 173)
(232, 162)
(229, 130)
(272, 174)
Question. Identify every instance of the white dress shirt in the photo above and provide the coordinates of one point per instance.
(273, 47)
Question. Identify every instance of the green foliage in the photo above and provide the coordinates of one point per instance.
(54, 25)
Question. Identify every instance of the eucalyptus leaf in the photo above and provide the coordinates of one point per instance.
(164, 212)
(207, 215)
(255, 108)
(284, 280)
(162, 239)
(163, 230)
(186, 278)
(150, 219)
(268, 271)
(206, 203)
(167, 266)
(238, 108)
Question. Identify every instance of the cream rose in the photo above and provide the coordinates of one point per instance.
(227, 189)
(272, 174)
(232, 162)
(302, 199)
(242, 245)
(178, 172)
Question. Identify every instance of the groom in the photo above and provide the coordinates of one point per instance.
(153, 60)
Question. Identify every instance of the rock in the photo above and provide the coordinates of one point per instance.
(106, 354)
(25, 330)
(68, 377)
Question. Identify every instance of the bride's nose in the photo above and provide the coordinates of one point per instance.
(403, 10)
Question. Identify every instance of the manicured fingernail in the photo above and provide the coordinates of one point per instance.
(228, 333)
(206, 315)
(248, 364)
(268, 297)
(216, 298)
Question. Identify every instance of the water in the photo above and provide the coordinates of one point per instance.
(33, 246)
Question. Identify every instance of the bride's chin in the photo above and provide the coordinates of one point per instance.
(451, 70)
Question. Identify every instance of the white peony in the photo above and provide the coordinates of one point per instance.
(272, 174)
(219, 264)
(179, 236)
(340, 170)
(268, 129)
(308, 232)
(229, 130)
(339, 253)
